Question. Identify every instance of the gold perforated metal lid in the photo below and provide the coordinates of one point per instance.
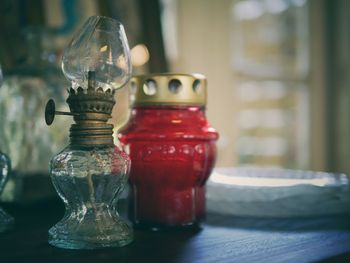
(169, 89)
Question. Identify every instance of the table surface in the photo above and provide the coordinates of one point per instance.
(220, 239)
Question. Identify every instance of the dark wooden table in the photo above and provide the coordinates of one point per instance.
(220, 239)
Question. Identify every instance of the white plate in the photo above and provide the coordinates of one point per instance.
(272, 192)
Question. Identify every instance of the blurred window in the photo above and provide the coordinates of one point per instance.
(271, 63)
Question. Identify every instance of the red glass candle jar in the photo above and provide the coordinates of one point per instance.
(172, 150)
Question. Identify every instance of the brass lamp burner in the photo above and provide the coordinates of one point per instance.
(91, 108)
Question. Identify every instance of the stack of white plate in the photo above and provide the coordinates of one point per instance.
(272, 192)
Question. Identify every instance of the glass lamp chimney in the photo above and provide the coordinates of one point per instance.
(99, 47)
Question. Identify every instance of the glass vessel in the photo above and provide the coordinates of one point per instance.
(89, 181)
(91, 172)
(172, 149)
(22, 98)
(6, 221)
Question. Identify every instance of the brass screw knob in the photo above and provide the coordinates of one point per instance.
(50, 112)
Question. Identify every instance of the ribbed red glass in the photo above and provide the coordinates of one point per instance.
(172, 151)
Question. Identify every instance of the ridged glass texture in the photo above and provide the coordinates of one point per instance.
(6, 221)
(89, 181)
(173, 151)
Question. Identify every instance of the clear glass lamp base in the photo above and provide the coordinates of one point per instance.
(6, 221)
(89, 180)
(95, 229)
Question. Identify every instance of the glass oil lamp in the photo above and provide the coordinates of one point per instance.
(172, 150)
(91, 172)
(6, 221)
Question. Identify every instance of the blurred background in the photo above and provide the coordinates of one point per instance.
(278, 76)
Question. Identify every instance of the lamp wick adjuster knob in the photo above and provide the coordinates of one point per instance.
(50, 112)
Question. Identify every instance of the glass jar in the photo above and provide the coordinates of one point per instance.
(172, 150)
(6, 221)
(23, 133)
